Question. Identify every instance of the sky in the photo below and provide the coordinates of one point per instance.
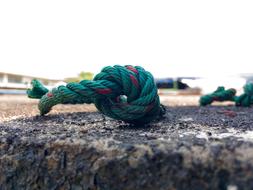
(58, 39)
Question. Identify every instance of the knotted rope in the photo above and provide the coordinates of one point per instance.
(121, 92)
(245, 100)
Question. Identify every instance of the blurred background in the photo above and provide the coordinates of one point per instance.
(190, 47)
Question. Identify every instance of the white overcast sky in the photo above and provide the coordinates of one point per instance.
(58, 39)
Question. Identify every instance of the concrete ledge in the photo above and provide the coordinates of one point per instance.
(191, 148)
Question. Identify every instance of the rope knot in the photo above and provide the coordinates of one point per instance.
(220, 94)
(125, 93)
(244, 100)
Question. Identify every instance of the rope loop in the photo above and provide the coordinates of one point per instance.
(125, 93)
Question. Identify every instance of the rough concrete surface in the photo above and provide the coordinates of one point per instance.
(75, 147)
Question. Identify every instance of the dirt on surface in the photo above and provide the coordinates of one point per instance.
(75, 147)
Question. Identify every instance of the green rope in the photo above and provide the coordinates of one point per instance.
(121, 92)
(220, 95)
(38, 90)
(246, 99)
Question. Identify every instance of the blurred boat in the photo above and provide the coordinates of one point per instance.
(17, 84)
(12, 91)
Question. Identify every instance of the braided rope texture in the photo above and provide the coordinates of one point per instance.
(220, 95)
(124, 93)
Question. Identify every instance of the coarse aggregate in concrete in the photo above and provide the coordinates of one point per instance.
(75, 147)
